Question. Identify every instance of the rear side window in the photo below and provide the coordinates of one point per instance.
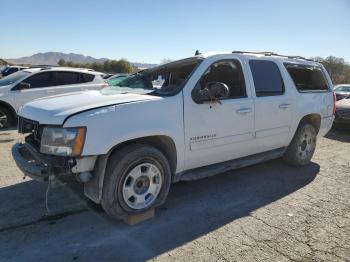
(39, 80)
(267, 78)
(86, 78)
(66, 78)
(307, 78)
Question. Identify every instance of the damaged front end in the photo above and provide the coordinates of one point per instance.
(40, 166)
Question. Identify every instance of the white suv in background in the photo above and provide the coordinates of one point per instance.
(32, 83)
(8, 70)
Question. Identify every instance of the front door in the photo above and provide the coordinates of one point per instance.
(221, 130)
(40, 86)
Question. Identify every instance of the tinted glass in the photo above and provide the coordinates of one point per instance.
(12, 70)
(307, 78)
(66, 78)
(39, 80)
(267, 78)
(86, 78)
(8, 80)
(228, 72)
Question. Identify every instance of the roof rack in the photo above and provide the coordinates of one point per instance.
(271, 54)
(42, 67)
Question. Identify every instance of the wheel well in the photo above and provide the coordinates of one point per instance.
(313, 119)
(163, 143)
(9, 107)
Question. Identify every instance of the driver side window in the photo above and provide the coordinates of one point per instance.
(228, 72)
(39, 80)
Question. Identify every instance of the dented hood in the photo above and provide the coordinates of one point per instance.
(54, 110)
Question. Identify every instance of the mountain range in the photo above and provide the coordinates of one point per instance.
(52, 58)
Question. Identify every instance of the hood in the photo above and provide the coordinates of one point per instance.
(344, 104)
(55, 109)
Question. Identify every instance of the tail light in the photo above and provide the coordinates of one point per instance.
(334, 105)
(104, 85)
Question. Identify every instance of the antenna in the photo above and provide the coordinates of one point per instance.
(197, 53)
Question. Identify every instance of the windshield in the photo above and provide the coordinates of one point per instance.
(8, 80)
(114, 81)
(164, 80)
(343, 89)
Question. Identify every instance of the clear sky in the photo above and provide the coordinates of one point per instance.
(148, 31)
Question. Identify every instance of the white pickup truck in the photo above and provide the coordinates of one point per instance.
(184, 120)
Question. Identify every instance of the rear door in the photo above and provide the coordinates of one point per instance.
(66, 82)
(273, 105)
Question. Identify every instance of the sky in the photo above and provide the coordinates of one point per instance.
(151, 30)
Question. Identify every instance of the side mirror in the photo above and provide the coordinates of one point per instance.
(22, 86)
(213, 91)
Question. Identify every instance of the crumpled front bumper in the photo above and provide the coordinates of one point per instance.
(31, 162)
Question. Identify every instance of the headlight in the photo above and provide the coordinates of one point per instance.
(63, 141)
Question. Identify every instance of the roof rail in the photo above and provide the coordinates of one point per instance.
(271, 54)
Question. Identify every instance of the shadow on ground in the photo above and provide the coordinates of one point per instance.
(193, 209)
(340, 135)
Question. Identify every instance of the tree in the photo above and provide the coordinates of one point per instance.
(336, 67)
(165, 61)
(61, 62)
(110, 66)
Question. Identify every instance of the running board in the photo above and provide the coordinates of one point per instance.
(211, 170)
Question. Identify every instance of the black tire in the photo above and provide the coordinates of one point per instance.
(118, 167)
(302, 147)
(6, 116)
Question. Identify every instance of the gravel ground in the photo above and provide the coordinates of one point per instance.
(267, 212)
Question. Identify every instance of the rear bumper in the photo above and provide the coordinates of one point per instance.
(31, 162)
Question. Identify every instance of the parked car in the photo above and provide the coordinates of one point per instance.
(32, 83)
(115, 79)
(127, 143)
(342, 91)
(11, 69)
(342, 114)
(106, 76)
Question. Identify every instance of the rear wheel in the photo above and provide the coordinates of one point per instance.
(302, 147)
(137, 179)
(6, 118)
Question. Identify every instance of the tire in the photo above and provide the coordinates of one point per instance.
(6, 118)
(132, 173)
(303, 145)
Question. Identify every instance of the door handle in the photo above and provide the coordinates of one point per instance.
(284, 106)
(244, 111)
(51, 91)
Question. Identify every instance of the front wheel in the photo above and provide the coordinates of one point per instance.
(6, 119)
(137, 179)
(302, 147)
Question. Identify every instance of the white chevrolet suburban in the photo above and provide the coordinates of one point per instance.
(184, 120)
(32, 83)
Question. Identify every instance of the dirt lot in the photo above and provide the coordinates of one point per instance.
(268, 212)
